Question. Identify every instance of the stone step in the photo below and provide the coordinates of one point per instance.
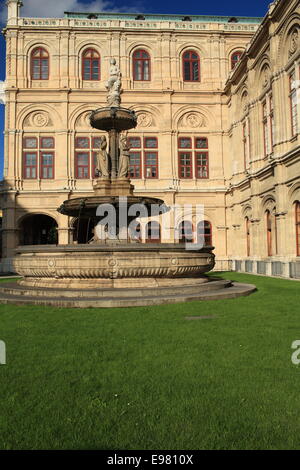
(15, 290)
(236, 290)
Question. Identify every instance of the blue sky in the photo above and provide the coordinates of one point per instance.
(194, 7)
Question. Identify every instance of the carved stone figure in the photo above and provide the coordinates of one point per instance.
(103, 159)
(124, 157)
(113, 85)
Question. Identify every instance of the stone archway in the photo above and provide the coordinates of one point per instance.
(38, 229)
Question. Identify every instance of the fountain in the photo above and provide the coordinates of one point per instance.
(113, 269)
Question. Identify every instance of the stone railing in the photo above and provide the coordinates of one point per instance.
(133, 24)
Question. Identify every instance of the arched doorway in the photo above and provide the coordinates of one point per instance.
(38, 229)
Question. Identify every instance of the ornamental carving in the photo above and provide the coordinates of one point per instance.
(294, 41)
(192, 120)
(40, 119)
(266, 76)
(144, 120)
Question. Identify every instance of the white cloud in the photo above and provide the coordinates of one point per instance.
(56, 8)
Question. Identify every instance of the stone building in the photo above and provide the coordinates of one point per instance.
(217, 100)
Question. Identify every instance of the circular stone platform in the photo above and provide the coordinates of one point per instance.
(213, 289)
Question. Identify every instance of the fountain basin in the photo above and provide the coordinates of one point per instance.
(127, 265)
(108, 118)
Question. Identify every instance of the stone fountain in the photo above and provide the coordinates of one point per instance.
(114, 270)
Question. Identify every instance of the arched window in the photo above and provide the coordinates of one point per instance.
(235, 57)
(191, 66)
(141, 65)
(247, 226)
(90, 65)
(185, 231)
(39, 64)
(153, 232)
(269, 233)
(204, 233)
(297, 220)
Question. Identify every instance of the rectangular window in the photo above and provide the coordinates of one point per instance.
(185, 165)
(30, 143)
(82, 143)
(150, 142)
(42, 167)
(293, 104)
(30, 165)
(185, 143)
(47, 143)
(151, 165)
(201, 143)
(47, 165)
(135, 165)
(82, 165)
(134, 142)
(193, 158)
(201, 159)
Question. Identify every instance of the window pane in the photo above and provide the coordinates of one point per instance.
(195, 71)
(44, 69)
(185, 142)
(82, 159)
(47, 142)
(30, 159)
(150, 142)
(30, 142)
(187, 74)
(96, 142)
(201, 143)
(47, 159)
(134, 142)
(82, 142)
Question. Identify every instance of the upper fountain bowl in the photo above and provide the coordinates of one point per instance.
(119, 119)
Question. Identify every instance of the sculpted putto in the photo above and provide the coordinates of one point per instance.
(113, 85)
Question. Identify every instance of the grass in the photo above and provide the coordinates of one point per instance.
(147, 378)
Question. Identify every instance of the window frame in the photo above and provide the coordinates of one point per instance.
(90, 59)
(52, 152)
(143, 60)
(197, 166)
(39, 58)
(233, 62)
(190, 61)
(292, 95)
(180, 165)
(36, 152)
(140, 165)
(77, 152)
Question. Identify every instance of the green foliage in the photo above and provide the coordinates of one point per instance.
(147, 378)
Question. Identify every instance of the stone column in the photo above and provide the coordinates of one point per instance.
(113, 151)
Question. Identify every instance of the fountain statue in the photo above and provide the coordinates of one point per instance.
(114, 268)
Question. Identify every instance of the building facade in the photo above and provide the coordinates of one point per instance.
(217, 101)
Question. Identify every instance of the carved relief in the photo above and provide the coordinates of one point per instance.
(192, 120)
(294, 41)
(145, 120)
(38, 119)
(83, 121)
(266, 76)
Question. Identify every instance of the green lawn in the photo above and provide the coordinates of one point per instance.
(147, 378)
